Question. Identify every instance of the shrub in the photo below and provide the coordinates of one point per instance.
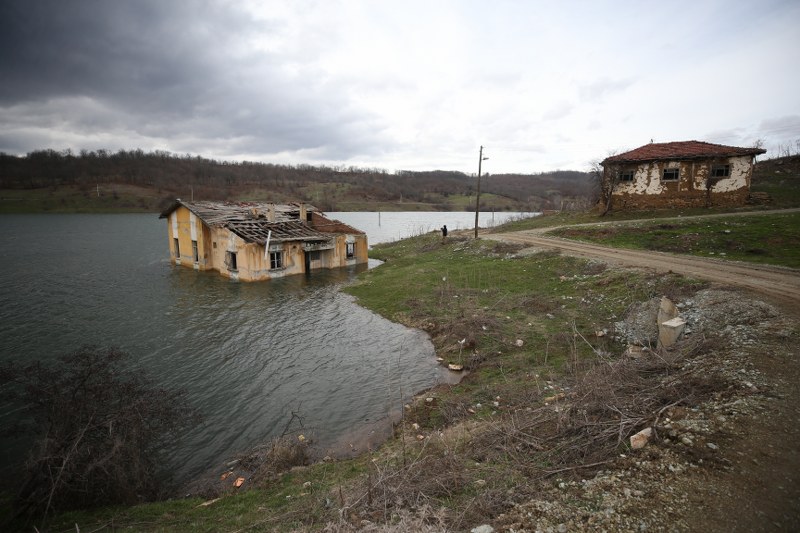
(99, 429)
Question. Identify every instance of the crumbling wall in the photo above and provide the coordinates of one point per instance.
(696, 187)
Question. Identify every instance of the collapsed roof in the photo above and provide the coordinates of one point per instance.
(254, 221)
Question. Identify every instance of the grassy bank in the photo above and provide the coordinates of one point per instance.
(768, 239)
(525, 327)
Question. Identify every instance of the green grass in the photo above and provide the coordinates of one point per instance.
(768, 239)
(112, 198)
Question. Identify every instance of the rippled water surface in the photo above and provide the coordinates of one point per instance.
(249, 354)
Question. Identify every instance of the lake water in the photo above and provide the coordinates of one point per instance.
(249, 354)
(391, 226)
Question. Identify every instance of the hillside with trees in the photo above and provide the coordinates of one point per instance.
(49, 180)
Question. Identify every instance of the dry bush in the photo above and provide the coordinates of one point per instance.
(281, 455)
(100, 430)
(535, 434)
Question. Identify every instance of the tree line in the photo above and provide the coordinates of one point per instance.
(220, 180)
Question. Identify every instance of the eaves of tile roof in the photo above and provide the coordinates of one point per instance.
(680, 150)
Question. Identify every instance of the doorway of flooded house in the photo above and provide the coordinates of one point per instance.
(307, 256)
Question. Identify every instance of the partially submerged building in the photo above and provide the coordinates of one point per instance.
(678, 174)
(257, 241)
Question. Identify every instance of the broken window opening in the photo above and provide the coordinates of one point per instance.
(314, 256)
(177, 248)
(351, 250)
(195, 252)
(230, 261)
(275, 260)
(671, 174)
(720, 171)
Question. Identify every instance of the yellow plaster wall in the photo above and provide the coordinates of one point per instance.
(214, 243)
(182, 224)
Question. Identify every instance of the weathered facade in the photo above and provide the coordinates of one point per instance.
(255, 241)
(678, 174)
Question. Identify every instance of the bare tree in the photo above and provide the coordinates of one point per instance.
(99, 427)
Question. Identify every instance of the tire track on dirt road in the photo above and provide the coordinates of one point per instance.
(781, 284)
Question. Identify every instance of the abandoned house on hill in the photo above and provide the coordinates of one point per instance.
(256, 241)
(678, 174)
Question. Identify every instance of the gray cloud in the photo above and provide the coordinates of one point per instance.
(166, 70)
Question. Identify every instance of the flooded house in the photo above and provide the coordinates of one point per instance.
(258, 241)
(678, 174)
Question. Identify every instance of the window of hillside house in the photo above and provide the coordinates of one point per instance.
(177, 248)
(626, 175)
(230, 261)
(309, 216)
(720, 171)
(195, 252)
(275, 260)
(671, 174)
(351, 250)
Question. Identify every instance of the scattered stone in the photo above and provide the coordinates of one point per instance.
(634, 352)
(519, 342)
(485, 528)
(640, 440)
(712, 446)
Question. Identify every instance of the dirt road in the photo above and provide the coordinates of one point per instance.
(781, 285)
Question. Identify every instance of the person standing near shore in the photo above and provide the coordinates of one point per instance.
(444, 232)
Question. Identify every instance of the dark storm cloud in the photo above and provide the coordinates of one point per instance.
(170, 70)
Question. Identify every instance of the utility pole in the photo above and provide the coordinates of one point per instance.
(481, 159)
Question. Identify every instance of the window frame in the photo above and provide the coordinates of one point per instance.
(350, 250)
(627, 175)
(276, 260)
(177, 244)
(726, 171)
(673, 170)
(195, 251)
(231, 261)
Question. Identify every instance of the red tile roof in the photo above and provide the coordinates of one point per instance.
(680, 150)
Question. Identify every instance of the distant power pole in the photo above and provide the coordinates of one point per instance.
(481, 159)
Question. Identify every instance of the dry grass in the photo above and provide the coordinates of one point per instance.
(476, 470)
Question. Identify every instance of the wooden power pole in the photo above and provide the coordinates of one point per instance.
(481, 159)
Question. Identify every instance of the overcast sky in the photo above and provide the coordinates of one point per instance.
(397, 85)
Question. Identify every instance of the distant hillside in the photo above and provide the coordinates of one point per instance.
(135, 180)
(780, 178)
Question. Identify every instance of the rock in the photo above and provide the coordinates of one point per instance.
(485, 528)
(666, 310)
(519, 342)
(634, 352)
(669, 331)
(641, 439)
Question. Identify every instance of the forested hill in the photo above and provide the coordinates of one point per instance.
(63, 181)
